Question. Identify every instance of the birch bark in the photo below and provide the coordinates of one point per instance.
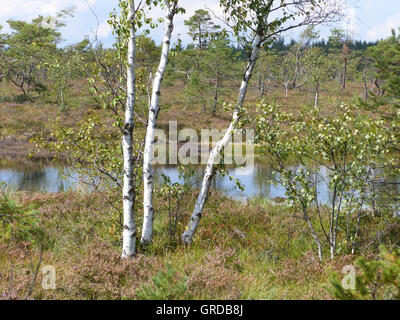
(129, 233)
(154, 109)
(316, 100)
(210, 169)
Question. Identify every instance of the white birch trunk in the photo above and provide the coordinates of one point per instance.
(148, 209)
(210, 169)
(316, 100)
(129, 233)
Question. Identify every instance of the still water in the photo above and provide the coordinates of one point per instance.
(258, 180)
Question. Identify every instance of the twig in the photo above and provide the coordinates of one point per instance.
(36, 273)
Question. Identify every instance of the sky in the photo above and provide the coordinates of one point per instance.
(365, 19)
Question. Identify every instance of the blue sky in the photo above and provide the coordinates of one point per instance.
(366, 19)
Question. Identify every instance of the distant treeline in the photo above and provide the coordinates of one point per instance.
(281, 46)
(357, 45)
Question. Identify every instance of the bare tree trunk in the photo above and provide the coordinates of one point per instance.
(377, 86)
(262, 89)
(344, 75)
(154, 109)
(129, 233)
(297, 69)
(316, 102)
(216, 92)
(28, 82)
(61, 106)
(313, 233)
(365, 86)
(200, 38)
(210, 169)
(373, 201)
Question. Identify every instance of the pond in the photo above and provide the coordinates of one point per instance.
(258, 180)
(50, 177)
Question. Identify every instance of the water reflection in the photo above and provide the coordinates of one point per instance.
(49, 177)
(258, 181)
(38, 177)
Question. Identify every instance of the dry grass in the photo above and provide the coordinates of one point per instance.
(241, 251)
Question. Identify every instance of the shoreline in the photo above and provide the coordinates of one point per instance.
(12, 148)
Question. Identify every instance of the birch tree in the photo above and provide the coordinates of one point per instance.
(154, 109)
(128, 191)
(320, 68)
(256, 22)
(345, 146)
(288, 68)
(268, 68)
(306, 37)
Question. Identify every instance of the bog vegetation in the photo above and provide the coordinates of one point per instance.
(314, 104)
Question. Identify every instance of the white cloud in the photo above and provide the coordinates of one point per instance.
(384, 30)
(31, 8)
(28, 9)
(350, 23)
(179, 26)
(103, 30)
(369, 5)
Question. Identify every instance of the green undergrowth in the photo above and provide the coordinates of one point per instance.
(255, 250)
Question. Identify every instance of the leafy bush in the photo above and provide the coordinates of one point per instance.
(21, 98)
(378, 279)
(347, 147)
(18, 223)
(173, 194)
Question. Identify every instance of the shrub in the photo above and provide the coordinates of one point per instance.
(164, 287)
(378, 279)
(18, 223)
